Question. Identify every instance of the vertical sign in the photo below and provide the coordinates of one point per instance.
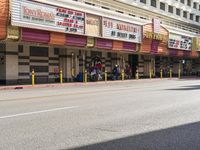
(156, 25)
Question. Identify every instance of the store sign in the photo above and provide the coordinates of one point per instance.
(156, 36)
(196, 44)
(121, 30)
(180, 42)
(156, 25)
(45, 17)
(90, 42)
(93, 25)
(13, 33)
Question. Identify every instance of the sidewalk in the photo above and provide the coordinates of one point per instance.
(70, 84)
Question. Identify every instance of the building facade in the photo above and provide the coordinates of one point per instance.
(52, 35)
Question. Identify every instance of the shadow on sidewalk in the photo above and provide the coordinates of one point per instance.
(185, 137)
(186, 88)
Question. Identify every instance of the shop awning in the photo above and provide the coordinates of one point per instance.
(33, 35)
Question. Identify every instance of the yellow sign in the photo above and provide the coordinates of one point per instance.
(156, 36)
(13, 33)
(196, 44)
(90, 42)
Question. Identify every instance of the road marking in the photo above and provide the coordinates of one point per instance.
(38, 112)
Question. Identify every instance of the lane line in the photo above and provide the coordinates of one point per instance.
(38, 112)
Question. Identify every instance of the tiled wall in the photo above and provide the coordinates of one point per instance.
(2, 63)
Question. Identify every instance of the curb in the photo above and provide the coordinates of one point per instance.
(18, 87)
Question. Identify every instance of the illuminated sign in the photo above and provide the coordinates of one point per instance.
(180, 42)
(46, 17)
(93, 25)
(156, 36)
(196, 44)
(121, 30)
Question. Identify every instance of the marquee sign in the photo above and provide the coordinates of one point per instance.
(93, 25)
(121, 30)
(180, 42)
(32, 14)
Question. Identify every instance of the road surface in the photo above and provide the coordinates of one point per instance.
(140, 115)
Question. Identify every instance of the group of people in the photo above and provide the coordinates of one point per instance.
(95, 72)
(117, 72)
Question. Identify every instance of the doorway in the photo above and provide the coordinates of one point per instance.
(133, 62)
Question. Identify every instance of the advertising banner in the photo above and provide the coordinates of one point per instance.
(180, 42)
(32, 14)
(120, 30)
(196, 44)
(93, 25)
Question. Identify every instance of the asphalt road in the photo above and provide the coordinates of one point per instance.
(140, 115)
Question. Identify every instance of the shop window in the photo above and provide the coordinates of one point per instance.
(170, 9)
(40, 68)
(109, 55)
(178, 12)
(39, 51)
(162, 6)
(56, 51)
(20, 48)
(79, 52)
(2, 46)
(95, 53)
(153, 3)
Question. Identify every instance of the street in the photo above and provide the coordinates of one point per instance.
(136, 115)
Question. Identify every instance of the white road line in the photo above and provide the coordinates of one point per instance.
(37, 112)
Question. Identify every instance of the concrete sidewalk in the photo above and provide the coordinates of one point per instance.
(15, 87)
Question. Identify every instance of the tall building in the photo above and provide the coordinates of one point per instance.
(77, 35)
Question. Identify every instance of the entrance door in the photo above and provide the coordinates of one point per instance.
(133, 62)
(39, 58)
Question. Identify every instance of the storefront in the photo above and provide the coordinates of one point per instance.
(47, 39)
(153, 49)
(182, 53)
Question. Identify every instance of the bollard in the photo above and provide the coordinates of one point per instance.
(137, 74)
(150, 74)
(33, 77)
(170, 73)
(61, 76)
(85, 80)
(73, 72)
(106, 75)
(161, 73)
(179, 73)
(122, 74)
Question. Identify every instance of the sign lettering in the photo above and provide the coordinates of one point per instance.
(121, 30)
